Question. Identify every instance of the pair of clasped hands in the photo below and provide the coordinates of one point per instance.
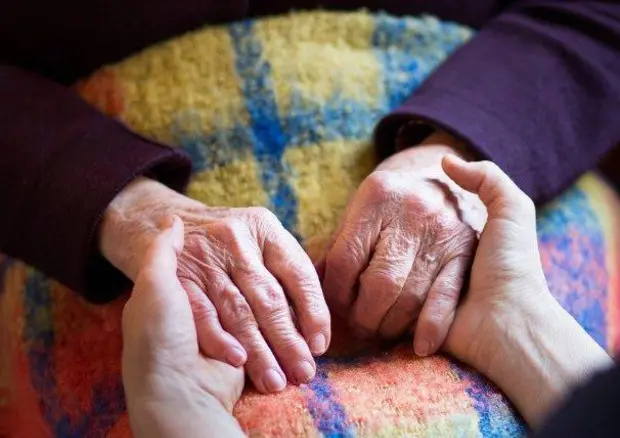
(395, 265)
(180, 382)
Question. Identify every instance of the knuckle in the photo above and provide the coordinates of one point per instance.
(382, 281)
(287, 341)
(257, 349)
(317, 316)
(461, 245)
(421, 206)
(313, 312)
(203, 314)
(272, 311)
(306, 282)
(237, 310)
(350, 251)
(381, 186)
(202, 311)
(194, 241)
(445, 222)
(263, 215)
(230, 229)
(447, 288)
(148, 278)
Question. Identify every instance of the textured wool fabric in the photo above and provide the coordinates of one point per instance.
(537, 91)
(265, 124)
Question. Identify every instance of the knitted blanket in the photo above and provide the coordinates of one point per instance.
(282, 117)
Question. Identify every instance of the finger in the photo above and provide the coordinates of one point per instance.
(382, 282)
(271, 310)
(291, 266)
(406, 309)
(160, 262)
(439, 308)
(348, 258)
(496, 190)
(237, 318)
(214, 341)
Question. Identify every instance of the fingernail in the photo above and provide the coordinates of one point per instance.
(318, 344)
(177, 233)
(303, 372)
(235, 356)
(422, 348)
(273, 381)
(455, 159)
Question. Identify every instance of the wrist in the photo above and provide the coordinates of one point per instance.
(442, 138)
(181, 411)
(540, 354)
(130, 222)
(428, 153)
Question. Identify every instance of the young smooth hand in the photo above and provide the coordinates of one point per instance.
(509, 326)
(172, 390)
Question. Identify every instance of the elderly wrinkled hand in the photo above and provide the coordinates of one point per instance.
(242, 271)
(171, 388)
(399, 259)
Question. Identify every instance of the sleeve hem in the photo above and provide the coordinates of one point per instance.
(66, 204)
(466, 121)
(170, 169)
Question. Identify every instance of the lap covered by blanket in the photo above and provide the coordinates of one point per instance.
(279, 112)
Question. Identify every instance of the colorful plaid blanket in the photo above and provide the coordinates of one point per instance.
(279, 112)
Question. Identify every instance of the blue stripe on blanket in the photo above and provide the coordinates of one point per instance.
(409, 52)
(270, 140)
(329, 415)
(491, 422)
(38, 334)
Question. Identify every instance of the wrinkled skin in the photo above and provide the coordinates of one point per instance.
(170, 387)
(240, 269)
(399, 259)
(396, 264)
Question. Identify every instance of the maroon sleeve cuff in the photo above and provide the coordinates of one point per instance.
(62, 164)
(65, 210)
(536, 91)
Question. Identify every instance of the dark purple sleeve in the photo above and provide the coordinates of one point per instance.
(59, 169)
(592, 410)
(537, 91)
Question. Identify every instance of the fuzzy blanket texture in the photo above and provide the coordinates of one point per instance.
(279, 112)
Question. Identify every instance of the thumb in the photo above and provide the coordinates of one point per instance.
(500, 195)
(166, 247)
(159, 306)
(157, 286)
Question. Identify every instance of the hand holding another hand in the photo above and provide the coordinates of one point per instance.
(398, 261)
(509, 327)
(240, 269)
(171, 388)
